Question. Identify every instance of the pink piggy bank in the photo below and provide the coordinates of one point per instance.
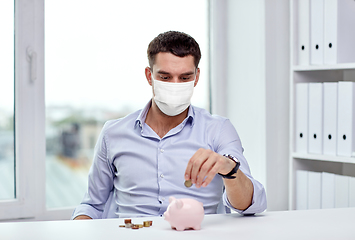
(184, 214)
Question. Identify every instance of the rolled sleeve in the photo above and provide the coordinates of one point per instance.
(258, 204)
(230, 143)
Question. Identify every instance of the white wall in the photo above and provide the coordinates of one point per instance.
(246, 79)
(277, 72)
(254, 66)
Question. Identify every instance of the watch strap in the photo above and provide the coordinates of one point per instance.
(234, 170)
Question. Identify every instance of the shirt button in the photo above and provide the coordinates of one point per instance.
(162, 175)
(163, 198)
(161, 150)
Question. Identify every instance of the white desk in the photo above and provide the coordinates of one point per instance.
(311, 224)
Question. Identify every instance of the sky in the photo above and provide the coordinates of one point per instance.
(95, 50)
(96, 54)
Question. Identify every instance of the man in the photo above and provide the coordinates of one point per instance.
(145, 157)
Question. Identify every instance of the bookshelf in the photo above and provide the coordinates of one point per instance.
(312, 74)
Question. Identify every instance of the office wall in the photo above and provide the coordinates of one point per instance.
(250, 72)
(277, 70)
(246, 79)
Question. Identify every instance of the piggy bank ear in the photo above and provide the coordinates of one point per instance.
(179, 204)
(171, 199)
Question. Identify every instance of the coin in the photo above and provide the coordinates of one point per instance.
(188, 183)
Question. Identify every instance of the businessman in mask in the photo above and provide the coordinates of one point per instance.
(169, 148)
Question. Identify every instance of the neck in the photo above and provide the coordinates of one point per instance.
(162, 123)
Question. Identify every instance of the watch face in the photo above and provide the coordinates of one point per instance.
(235, 159)
(232, 157)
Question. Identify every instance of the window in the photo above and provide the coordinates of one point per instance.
(7, 156)
(22, 91)
(58, 116)
(95, 60)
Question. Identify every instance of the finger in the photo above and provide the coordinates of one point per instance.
(213, 171)
(201, 166)
(190, 164)
(196, 162)
(205, 169)
(188, 170)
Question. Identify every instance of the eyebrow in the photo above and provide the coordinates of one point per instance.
(186, 73)
(163, 72)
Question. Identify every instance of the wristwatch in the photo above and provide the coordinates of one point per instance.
(234, 170)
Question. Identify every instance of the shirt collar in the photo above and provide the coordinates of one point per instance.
(143, 114)
(191, 115)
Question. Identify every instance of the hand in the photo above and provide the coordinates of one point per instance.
(82, 217)
(204, 165)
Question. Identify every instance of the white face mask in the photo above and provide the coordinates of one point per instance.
(172, 98)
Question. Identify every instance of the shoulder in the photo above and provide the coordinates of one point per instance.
(204, 116)
(121, 123)
(213, 124)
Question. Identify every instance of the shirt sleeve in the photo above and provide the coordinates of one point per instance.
(228, 142)
(258, 204)
(100, 181)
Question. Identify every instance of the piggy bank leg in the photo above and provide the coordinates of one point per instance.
(179, 228)
(198, 227)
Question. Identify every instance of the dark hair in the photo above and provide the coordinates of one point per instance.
(178, 43)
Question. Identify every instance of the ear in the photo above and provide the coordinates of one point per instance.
(197, 77)
(179, 204)
(148, 75)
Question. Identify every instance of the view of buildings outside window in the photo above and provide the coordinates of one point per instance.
(95, 56)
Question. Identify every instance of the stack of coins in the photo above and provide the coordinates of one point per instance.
(147, 223)
(129, 224)
(137, 226)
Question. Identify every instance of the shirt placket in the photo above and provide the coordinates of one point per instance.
(162, 198)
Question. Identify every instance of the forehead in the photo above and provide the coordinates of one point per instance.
(172, 64)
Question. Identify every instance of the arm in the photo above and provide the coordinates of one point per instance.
(239, 191)
(82, 217)
(244, 193)
(100, 182)
(205, 164)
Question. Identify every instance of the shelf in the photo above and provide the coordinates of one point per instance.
(324, 158)
(342, 66)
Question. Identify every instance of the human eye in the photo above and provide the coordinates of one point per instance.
(186, 78)
(164, 77)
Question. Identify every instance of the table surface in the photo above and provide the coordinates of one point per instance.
(308, 224)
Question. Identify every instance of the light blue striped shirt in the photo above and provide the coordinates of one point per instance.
(144, 170)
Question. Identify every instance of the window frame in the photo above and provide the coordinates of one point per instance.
(29, 114)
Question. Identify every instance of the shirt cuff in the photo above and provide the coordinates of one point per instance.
(258, 204)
